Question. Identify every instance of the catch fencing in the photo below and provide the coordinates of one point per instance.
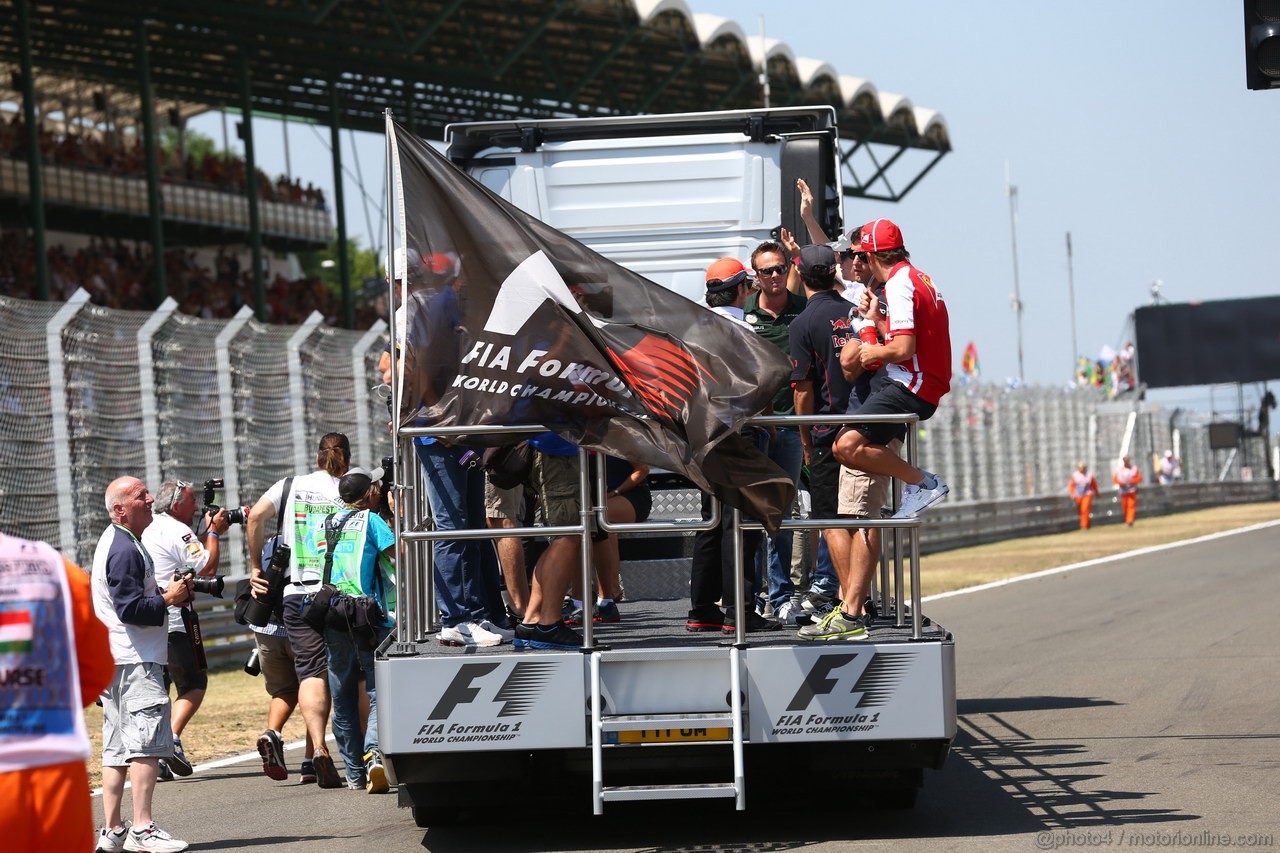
(90, 393)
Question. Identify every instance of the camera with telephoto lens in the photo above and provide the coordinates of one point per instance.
(235, 514)
(258, 612)
(208, 585)
(388, 474)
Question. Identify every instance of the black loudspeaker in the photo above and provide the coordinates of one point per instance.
(1224, 436)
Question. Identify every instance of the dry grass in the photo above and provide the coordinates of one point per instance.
(234, 713)
(234, 710)
(984, 563)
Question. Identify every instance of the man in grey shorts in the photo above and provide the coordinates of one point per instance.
(133, 603)
(504, 508)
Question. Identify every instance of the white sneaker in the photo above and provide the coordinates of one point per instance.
(787, 612)
(916, 499)
(112, 841)
(153, 838)
(467, 634)
(505, 633)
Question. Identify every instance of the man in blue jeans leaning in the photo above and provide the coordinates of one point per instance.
(360, 564)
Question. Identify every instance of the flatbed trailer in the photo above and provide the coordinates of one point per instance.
(647, 710)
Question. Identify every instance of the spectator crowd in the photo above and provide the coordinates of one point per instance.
(118, 274)
(121, 154)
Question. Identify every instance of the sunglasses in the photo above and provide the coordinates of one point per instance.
(780, 269)
(850, 255)
(734, 280)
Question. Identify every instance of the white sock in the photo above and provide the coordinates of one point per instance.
(601, 602)
(577, 603)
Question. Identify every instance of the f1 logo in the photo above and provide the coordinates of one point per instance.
(517, 694)
(818, 681)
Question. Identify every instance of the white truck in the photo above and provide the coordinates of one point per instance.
(648, 711)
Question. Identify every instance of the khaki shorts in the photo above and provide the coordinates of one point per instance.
(135, 715)
(503, 503)
(275, 657)
(863, 495)
(555, 480)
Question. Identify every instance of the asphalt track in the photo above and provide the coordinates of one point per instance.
(1132, 702)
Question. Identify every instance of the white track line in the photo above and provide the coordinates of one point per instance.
(1209, 537)
(225, 762)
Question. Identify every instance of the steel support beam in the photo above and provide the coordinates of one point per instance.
(530, 38)
(155, 208)
(339, 206)
(35, 189)
(251, 192)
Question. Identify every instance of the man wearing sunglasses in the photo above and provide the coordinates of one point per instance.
(770, 311)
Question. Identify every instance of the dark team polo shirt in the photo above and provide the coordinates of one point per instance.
(775, 331)
(816, 338)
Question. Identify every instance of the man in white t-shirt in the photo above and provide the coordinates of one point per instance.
(311, 498)
(175, 548)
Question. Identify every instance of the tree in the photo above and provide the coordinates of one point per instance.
(363, 264)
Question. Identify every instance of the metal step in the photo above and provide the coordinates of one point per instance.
(637, 722)
(668, 792)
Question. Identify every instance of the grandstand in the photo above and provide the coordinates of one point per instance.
(92, 76)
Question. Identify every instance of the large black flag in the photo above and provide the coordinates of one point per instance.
(509, 321)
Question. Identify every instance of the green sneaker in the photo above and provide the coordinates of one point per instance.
(837, 626)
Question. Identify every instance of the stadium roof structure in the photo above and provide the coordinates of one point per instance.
(432, 62)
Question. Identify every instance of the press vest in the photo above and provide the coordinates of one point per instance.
(41, 717)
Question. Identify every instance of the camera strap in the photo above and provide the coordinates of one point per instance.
(286, 500)
(331, 535)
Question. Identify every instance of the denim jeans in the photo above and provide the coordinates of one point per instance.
(785, 450)
(824, 578)
(466, 570)
(346, 665)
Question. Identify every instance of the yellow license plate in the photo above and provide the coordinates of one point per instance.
(670, 735)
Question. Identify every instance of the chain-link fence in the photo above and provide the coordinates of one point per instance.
(88, 394)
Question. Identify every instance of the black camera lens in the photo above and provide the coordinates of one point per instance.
(252, 665)
(235, 515)
(211, 586)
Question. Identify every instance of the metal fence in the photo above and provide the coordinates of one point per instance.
(88, 394)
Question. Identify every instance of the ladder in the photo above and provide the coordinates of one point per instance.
(603, 724)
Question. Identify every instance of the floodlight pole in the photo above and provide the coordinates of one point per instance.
(1071, 294)
(1012, 192)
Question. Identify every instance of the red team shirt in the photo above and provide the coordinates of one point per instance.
(916, 308)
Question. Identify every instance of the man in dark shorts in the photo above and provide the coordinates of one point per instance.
(176, 548)
(917, 358)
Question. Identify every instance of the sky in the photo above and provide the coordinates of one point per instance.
(1127, 124)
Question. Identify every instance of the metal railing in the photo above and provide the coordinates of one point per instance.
(181, 201)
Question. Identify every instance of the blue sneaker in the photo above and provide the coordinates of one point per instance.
(558, 637)
(523, 634)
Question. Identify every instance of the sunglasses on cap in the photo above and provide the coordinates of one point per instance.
(780, 269)
(851, 255)
(725, 283)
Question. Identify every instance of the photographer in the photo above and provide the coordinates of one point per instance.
(360, 547)
(311, 498)
(178, 550)
(130, 601)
